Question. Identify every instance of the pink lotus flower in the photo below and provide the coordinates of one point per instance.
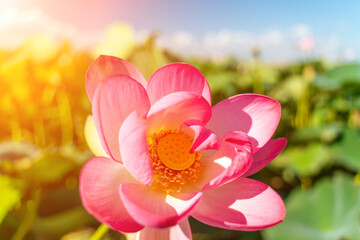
(172, 155)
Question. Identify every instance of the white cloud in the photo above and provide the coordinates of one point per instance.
(179, 38)
(17, 25)
(271, 38)
(301, 30)
(223, 43)
(181, 42)
(350, 54)
(330, 47)
(226, 42)
(225, 37)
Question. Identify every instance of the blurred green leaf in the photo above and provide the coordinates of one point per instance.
(223, 82)
(10, 196)
(62, 223)
(49, 168)
(348, 150)
(330, 211)
(339, 76)
(304, 160)
(292, 88)
(325, 133)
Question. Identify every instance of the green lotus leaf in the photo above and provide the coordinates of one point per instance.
(329, 211)
(10, 196)
(308, 160)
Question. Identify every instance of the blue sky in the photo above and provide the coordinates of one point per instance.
(199, 27)
(201, 16)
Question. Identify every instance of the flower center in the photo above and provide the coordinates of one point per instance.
(172, 162)
(174, 151)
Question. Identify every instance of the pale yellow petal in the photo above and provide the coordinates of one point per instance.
(131, 236)
(92, 138)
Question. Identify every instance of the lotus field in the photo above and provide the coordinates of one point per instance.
(61, 126)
